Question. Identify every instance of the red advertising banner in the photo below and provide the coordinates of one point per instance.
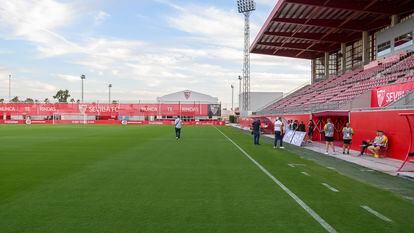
(383, 96)
(141, 109)
(107, 122)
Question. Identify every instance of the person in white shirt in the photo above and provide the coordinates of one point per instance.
(178, 125)
(329, 130)
(279, 130)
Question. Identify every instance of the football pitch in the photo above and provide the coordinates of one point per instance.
(140, 179)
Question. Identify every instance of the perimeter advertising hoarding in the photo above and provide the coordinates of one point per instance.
(142, 109)
(385, 95)
(108, 122)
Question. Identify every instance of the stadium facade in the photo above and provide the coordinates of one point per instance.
(362, 66)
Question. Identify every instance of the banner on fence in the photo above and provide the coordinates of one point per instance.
(140, 109)
(294, 137)
(385, 95)
(108, 122)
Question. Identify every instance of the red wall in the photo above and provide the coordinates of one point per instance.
(365, 125)
(394, 126)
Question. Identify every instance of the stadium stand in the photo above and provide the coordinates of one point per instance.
(362, 66)
(335, 92)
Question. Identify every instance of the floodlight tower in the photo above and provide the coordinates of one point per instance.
(245, 7)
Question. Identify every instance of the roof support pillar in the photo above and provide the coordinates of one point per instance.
(313, 71)
(326, 65)
(394, 20)
(365, 48)
(343, 58)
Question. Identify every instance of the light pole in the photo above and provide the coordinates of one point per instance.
(232, 97)
(245, 7)
(109, 93)
(83, 77)
(10, 87)
(240, 79)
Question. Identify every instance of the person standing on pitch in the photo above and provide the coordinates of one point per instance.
(329, 135)
(178, 125)
(311, 128)
(256, 131)
(279, 128)
(347, 133)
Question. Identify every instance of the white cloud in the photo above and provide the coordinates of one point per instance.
(267, 2)
(100, 17)
(69, 78)
(36, 22)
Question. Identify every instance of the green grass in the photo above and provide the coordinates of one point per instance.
(140, 179)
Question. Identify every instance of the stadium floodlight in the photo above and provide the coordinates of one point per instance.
(109, 93)
(245, 7)
(83, 77)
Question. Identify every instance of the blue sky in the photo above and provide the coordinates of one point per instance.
(145, 48)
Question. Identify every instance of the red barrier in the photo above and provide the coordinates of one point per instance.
(141, 109)
(108, 122)
(365, 125)
(395, 127)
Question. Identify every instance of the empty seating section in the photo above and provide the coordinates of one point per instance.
(339, 90)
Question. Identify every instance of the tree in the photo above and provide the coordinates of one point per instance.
(15, 99)
(114, 102)
(29, 100)
(72, 100)
(1, 100)
(62, 96)
(46, 100)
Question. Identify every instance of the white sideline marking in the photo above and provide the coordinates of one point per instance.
(305, 173)
(366, 170)
(330, 187)
(332, 168)
(380, 216)
(296, 165)
(302, 204)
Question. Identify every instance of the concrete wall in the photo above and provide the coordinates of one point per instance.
(393, 32)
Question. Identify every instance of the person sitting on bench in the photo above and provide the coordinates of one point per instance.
(380, 141)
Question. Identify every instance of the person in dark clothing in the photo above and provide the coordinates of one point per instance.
(256, 131)
(301, 127)
(295, 125)
(311, 128)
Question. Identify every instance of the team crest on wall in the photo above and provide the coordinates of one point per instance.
(380, 97)
(187, 94)
(83, 108)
